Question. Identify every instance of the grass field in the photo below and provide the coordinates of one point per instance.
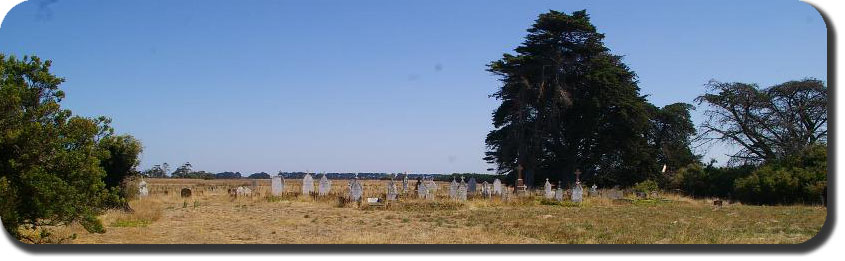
(212, 216)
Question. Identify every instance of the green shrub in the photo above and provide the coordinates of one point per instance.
(797, 179)
(646, 186)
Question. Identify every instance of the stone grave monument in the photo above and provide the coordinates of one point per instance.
(577, 193)
(325, 186)
(547, 189)
(143, 191)
(462, 191)
(307, 184)
(497, 187)
(277, 185)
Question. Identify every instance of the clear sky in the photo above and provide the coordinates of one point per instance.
(370, 86)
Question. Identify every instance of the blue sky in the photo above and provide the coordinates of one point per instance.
(370, 86)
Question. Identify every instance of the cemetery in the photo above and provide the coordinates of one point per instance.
(362, 211)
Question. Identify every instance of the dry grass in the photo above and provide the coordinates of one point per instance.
(211, 216)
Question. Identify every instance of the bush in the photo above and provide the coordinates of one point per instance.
(646, 186)
(708, 181)
(798, 179)
(50, 172)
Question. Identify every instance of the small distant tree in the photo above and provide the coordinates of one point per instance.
(182, 171)
(260, 175)
(155, 172)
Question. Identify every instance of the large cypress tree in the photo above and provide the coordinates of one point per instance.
(567, 104)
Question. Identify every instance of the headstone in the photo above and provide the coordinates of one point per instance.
(243, 191)
(594, 191)
(485, 189)
(547, 188)
(325, 186)
(471, 186)
(453, 189)
(405, 183)
(356, 190)
(277, 186)
(615, 193)
(391, 190)
(654, 194)
(431, 186)
(143, 191)
(559, 194)
(462, 191)
(186, 192)
(422, 191)
(577, 193)
(254, 184)
(307, 184)
(497, 187)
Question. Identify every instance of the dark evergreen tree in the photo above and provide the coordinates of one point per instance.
(567, 104)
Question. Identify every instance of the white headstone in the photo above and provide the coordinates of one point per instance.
(431, 186)
(244, 191)
(485, 189)
(594, 191)
(405, 183)
(577, 193)
(422, 191)
(391, 190)
(307, 184)
(325, 186)
(462, 191)
(497, 187)
(277, 185)
(559, 194)
(547, 189)
(356, 190)
(143, 191)
(453, 189)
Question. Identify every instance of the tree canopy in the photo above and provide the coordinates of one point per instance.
(50, 170)
(567, 103)
(767, 124)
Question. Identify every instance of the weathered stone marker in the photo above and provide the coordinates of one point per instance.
(471, 186)
(307, 184)
(485, 189)
(422, 191)
(186, 192)
(547, 189)
(497, 187)
(453, 189)
(431, 186)
(615, 193)
(594, 191)
(391, 190)
(559, 194)
(143, 191)
(277, 185)
(577, 193)
(356, 191)
(462, 190)
(325, 186)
